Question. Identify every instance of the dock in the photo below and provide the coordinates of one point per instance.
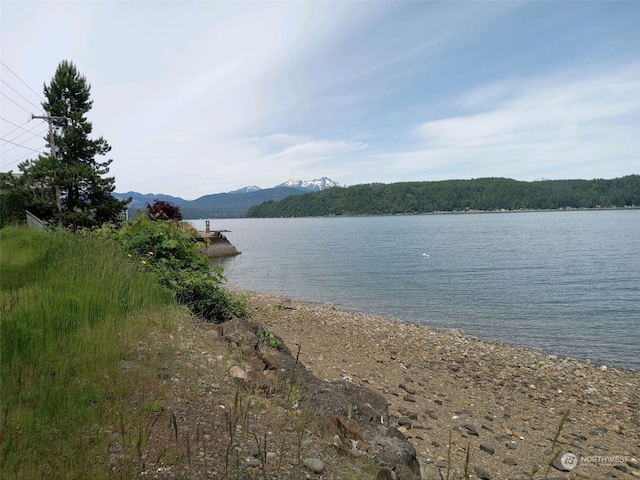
(218, 245)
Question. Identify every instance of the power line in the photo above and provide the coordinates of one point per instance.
(18, 145)
(18, 160)
(22, 96)
(39, 134)
(24, 130)
(23, 82)
(11, 100)
(18, 127)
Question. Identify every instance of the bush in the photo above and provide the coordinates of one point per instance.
(172, 250)
(161, 210)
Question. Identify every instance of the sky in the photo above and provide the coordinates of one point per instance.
(201, 97)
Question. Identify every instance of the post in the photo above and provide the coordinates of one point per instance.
(49, 119)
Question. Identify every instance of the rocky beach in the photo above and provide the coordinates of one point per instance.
(469, 407)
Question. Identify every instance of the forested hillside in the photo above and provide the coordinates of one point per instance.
(485, 194)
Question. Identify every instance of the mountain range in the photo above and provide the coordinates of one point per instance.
(232, 204)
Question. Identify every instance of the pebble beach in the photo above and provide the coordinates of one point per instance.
(472, 407)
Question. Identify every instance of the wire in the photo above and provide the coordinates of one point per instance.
(10, 99)
(40, 134)
(17, 144)
(17, 126)
(16, 161)
(24, 130)
(23, 82)
(22, 96)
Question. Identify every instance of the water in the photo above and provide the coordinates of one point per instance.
(567, 283)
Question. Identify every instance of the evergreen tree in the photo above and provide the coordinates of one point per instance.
(68, 186)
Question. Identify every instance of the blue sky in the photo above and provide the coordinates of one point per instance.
(204, 97)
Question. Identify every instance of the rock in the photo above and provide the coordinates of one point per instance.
(510, 461)
(511, 445)
(241, 332)
(252, 462)
(314, 464)
(404, 422)
(260, 381)
(482, 473)
(384, 474)
(409, 398)
(270, 359)
(633, 463)
(472, 429)
(407, 388)
(431, 473)
(237, 372)
(485, 447)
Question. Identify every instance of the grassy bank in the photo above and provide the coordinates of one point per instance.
(72, 308)
(107, 372)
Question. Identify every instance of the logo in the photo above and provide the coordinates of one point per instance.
(569, 461)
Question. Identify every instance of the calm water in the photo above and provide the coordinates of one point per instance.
(562, 282)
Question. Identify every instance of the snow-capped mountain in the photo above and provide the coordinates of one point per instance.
(249, 189)
(311, 185)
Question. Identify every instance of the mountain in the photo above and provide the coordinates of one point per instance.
(140, 200)
(481, 194)
(311, 185)
(232, 204)
(249, 189)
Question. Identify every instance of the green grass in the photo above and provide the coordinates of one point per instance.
(67, 305)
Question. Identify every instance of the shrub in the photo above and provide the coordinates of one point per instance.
(172, 250)
(161, 210)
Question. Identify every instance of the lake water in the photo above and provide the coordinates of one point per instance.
(566, 282)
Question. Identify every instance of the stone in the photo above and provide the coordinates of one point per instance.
(252, 462)
(384, 474)
(485, 447)
(482, 473)
(270, 360)
(314, 464)
(511, 445)
(409, 398)
(407, 388)
(472, 429)
(237, 372)
(260, 381)
(510, 461)
(404, 422)
(633, 463)
(431, 473)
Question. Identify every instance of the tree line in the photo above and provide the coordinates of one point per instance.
(482, 194)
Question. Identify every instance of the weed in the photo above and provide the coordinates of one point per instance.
(269, 338)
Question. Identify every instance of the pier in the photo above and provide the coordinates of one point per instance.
(218, 245)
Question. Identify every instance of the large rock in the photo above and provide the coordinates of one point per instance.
(345, 409)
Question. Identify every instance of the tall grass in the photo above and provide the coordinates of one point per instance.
(67, 306)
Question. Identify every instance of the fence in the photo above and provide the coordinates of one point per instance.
(35, 222)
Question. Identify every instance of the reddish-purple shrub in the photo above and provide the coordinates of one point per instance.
(162, 210)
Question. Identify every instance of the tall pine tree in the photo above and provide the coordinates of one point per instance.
(69, 186)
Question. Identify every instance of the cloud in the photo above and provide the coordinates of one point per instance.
(514, 127)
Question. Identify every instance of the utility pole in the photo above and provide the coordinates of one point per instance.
(49, 119)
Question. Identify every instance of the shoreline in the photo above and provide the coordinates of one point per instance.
(534, 349)
(503, 401)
